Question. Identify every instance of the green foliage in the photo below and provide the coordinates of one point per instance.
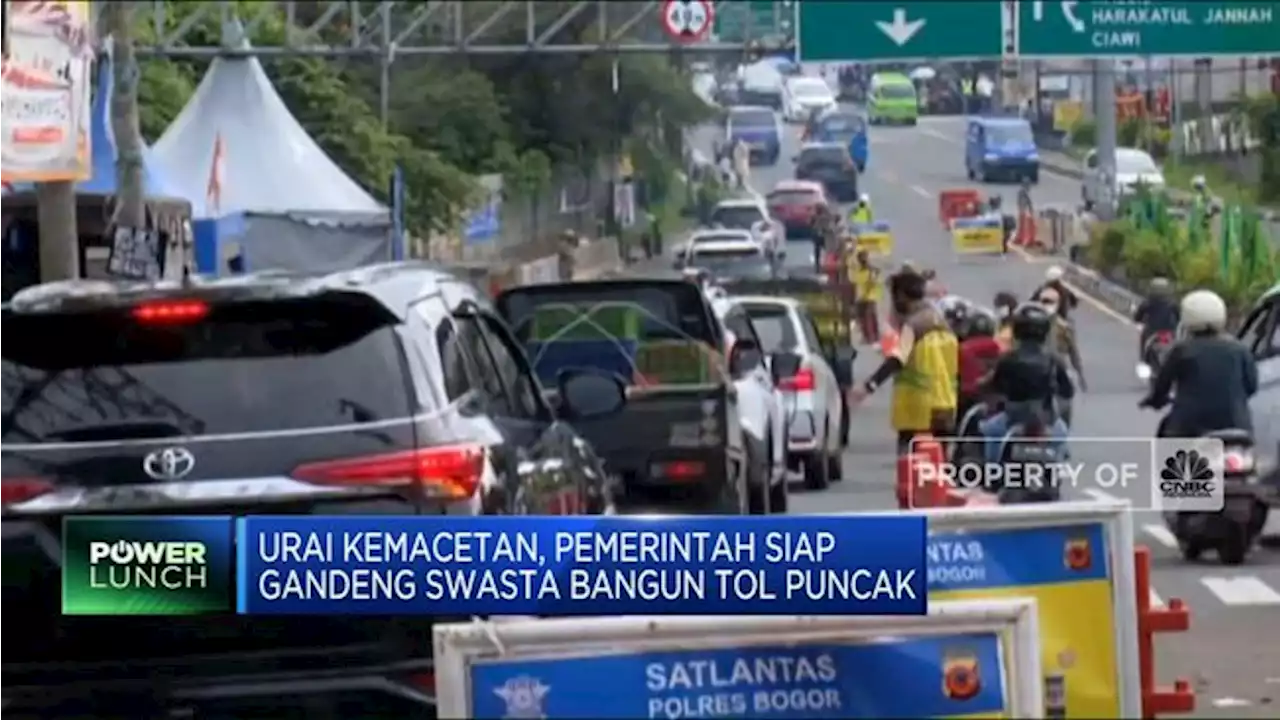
(1084, 134)
(1263, 113)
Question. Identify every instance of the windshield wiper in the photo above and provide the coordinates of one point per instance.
(122, 430)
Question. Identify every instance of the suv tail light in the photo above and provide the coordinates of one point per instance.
(1237, 461)
(800, 382)
(171, 312)
(21, 489)
(451, 473)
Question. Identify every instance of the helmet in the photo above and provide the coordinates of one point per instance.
(994, 202)
(1053, 274)
(1203, 310)
(1004, 303)
(864, 199)
(956, 311)
(1160, 285)
(1032, 323)
(1198, 182)
(981, 324)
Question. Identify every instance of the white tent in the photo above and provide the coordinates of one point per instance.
(238, 145)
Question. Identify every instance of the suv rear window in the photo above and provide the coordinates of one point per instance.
(738, 217)
(245, 367)
(823, 156)
(657, 333)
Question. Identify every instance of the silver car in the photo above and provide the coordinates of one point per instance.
(813, 398)
(1261, 334)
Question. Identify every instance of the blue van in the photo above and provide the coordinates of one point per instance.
(845, 127)
(759, 128)
(1001, 148)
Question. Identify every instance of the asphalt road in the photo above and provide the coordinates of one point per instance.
(1233, 650)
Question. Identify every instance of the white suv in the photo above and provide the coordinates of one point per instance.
(1261, 334)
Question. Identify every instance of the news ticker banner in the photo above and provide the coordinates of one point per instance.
(1158, 474)
(955, 675)
(1067, 569)
(465, 566)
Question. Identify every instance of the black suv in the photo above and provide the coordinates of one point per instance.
(393, 389)
(831, 165)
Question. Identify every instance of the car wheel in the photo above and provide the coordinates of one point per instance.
(844, 422)
(834, 460)
(816, 471)
(757, 481)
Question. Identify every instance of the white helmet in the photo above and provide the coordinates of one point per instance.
(1203, 310)
(1198, 182)
(864, 199)
(1053, 274)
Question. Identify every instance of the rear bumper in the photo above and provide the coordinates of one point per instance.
(643, 471)
(1012, 167)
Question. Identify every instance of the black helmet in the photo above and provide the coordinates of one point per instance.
(994, 201)
(1032, 323)
(956, 311)
(981, 324)
(1005, 303)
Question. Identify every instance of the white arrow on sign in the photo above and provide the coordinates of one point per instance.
(1068, 12)
(900, 31)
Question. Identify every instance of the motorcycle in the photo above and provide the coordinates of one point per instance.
(1234, 530)
(1153, 355)
(1029, 442)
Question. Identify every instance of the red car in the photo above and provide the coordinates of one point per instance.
(793, 203)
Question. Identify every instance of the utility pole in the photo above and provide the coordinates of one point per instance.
(1104, 88)
(130, 211)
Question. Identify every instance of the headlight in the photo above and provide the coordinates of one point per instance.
(1034, 157)
(990, 157)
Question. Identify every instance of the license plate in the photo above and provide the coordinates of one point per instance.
(1032, 452)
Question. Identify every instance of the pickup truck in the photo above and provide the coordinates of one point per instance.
(679, 440)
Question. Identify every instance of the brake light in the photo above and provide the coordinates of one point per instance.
(21, 489)
(800, 382)
(164, 313)
(451, 473)
(679, 470)
(1164, 336)
(1237, 461)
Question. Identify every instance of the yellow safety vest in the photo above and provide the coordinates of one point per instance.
(861, 215)
(868, 284)
(926, 385)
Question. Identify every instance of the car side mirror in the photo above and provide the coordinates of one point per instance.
(744, 357)
(783, 365)
(588, 394)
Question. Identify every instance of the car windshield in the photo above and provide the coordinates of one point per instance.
(733, 263)
(740, 217)
(1133, 162)
(751, 120)
(246, 367)
(774, 326)
(810, 90)
(824, 155)
(1012, 134)
(645, 332)
(896, 91)
(843, 124)
(794, 197)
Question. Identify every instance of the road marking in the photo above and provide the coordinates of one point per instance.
(939, 135)
(1155, 599)
(1101, 495)
(1241, 590)
(1230, 702)
(1161, 534)
(921, 191)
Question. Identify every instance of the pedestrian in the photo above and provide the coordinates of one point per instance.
(565, 254)
(868, 289)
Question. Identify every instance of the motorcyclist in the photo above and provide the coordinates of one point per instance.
(1214, 375)
(1053, 278)
(1062, 336)
(923, 366)
(1157, 313)
(861, 212)
(979, 352)
(1030, 379)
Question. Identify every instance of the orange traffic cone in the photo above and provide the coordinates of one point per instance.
(917, 488)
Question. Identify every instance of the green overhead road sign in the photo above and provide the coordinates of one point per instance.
(874, 30)
(739, 21)
(1093, 28)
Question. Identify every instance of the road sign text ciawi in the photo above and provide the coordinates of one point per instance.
(1119, 24)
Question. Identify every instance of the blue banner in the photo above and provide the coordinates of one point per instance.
(581, 565)
(956, 675)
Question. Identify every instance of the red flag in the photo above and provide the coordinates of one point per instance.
(213, 191)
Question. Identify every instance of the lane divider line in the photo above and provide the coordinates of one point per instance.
(1241, 590)
(921, 191)
(1161, 534)
(1100, 495)
(1156, 600)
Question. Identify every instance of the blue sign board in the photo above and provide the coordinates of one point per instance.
(485, 221)
(945, 676)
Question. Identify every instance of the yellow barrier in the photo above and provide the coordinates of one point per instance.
(975, 236)
(875, 238)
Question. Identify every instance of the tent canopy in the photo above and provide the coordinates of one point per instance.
(103, 146)
(269, 165)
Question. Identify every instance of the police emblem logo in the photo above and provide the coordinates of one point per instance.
(961, 677)
(1078, 554)
(523, 696)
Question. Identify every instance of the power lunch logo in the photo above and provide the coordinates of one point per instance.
(1151, 473)
(147, 565)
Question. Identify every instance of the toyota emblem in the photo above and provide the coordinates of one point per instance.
(173, 463)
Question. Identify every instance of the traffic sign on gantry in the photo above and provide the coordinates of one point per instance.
(830, 31)
(1093, 28)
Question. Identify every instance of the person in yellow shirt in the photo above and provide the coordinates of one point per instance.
(868, 288)
(923, 366)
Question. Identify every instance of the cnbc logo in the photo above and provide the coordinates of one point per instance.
(147, 565)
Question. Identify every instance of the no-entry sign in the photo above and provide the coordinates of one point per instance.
(687, 21)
